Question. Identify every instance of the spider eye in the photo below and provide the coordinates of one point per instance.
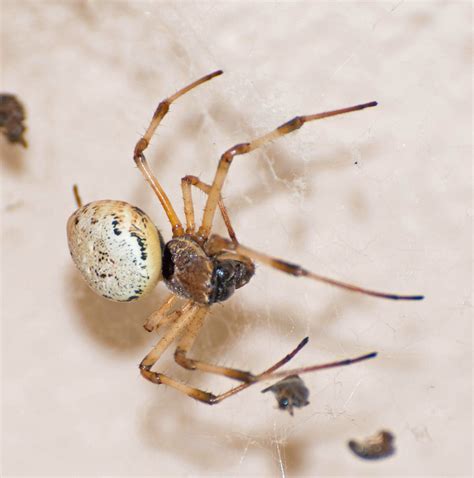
(243, 273)
(224, 271)
(283, 403)
(223, 281)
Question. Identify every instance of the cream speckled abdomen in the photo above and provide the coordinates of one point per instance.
(117, 249)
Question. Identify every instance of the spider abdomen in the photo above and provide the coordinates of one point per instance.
(117, 249)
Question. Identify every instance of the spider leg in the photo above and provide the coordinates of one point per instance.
(143, 143)
(270, 374)
(184, 346)
(217, 243)
(161, 316)
(186, 184)
(243, 148)
(77, 196)
(189, 310)
(210, 398)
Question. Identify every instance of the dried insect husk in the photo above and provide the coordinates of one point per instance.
(291, 392)
(12, 116)
(375, 447)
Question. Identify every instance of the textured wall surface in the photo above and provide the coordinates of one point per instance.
(380, 198)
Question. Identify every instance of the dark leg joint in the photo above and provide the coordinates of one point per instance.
(144, 367)
(181, 359)
(241, 376)
(207, 398)
(139, 148)
(213, 400)
(291, 125)
(227, 157)
(190, 179)
(162, 109)
(153, 377)
(201, 396)
(248, 377)
(289, 268)
(241, 148)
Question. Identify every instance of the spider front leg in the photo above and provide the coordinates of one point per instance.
(144, 141)
(217, 243)
(244, 148)
(186, 184)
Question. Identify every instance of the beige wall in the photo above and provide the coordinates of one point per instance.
(379, 198)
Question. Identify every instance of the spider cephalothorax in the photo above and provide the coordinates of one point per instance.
(191, 273)
(121, 255)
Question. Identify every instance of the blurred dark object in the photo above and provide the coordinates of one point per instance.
(12, 115)
(375, 447)
(290, 392)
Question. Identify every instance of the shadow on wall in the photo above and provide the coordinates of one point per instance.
(119, 327)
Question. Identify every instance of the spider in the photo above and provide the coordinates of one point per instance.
(122, 256)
